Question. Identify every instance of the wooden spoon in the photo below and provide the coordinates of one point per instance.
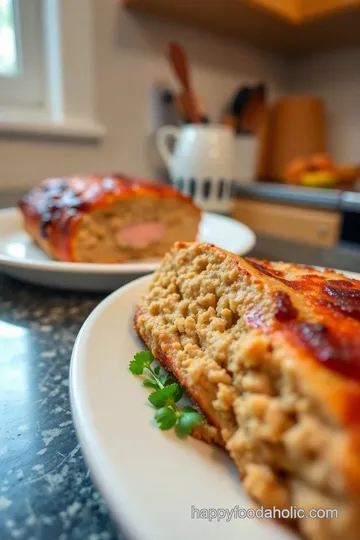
(180, 65)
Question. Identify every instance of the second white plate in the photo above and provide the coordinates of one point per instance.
(22, 259)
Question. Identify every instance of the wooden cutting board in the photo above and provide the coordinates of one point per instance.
(294, 127)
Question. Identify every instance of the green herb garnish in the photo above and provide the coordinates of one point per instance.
(165, 395)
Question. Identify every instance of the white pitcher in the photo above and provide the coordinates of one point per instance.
(202, 164)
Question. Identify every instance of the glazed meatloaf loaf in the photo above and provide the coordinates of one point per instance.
(107, 219)
(271, 354)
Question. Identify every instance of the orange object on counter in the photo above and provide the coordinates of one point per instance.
(321, 162)
(319, 169)
(296, 168)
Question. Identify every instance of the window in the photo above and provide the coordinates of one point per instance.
(8, 46)
(22, 53)
(42, 91)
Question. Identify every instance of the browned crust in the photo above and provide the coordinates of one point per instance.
(48, 247)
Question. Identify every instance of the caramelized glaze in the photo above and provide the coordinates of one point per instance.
(335, 342)
(332, 350)
(284, 309)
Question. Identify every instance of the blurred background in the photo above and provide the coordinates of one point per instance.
(85, 88)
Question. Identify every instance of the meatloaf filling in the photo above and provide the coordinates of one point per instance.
(134, 229)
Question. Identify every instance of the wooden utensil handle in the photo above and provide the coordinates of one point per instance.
(191, 106)
(180, 64)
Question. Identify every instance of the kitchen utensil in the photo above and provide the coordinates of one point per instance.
(180, 104)
(252, 113)
(180, 65)
(202, 163)
(236, 106)
(246, 115)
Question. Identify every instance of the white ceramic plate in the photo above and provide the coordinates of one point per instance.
(151, 479)
(22, 259)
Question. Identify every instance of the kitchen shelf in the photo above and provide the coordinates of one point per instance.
(319, 25)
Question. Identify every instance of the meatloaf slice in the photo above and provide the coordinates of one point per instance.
(102, 219)
(271, 354)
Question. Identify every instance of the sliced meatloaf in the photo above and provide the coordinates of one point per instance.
(271, 354)
(107, 219)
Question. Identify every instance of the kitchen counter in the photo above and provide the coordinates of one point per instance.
(331, 199)
(45, 488)
(46, 492)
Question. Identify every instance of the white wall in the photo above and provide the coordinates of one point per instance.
(129, 52)
(334, 77)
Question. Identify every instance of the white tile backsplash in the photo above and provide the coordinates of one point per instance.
(130, 53)
(334, 77)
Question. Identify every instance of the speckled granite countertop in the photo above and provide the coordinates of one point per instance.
(46, 492)
(45, 488)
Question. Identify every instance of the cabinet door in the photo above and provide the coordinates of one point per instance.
(290, 9)
(311, 9)
(307, 225)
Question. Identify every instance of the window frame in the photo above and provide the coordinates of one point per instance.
(59, 99)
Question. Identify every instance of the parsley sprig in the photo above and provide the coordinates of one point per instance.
(165, 395)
